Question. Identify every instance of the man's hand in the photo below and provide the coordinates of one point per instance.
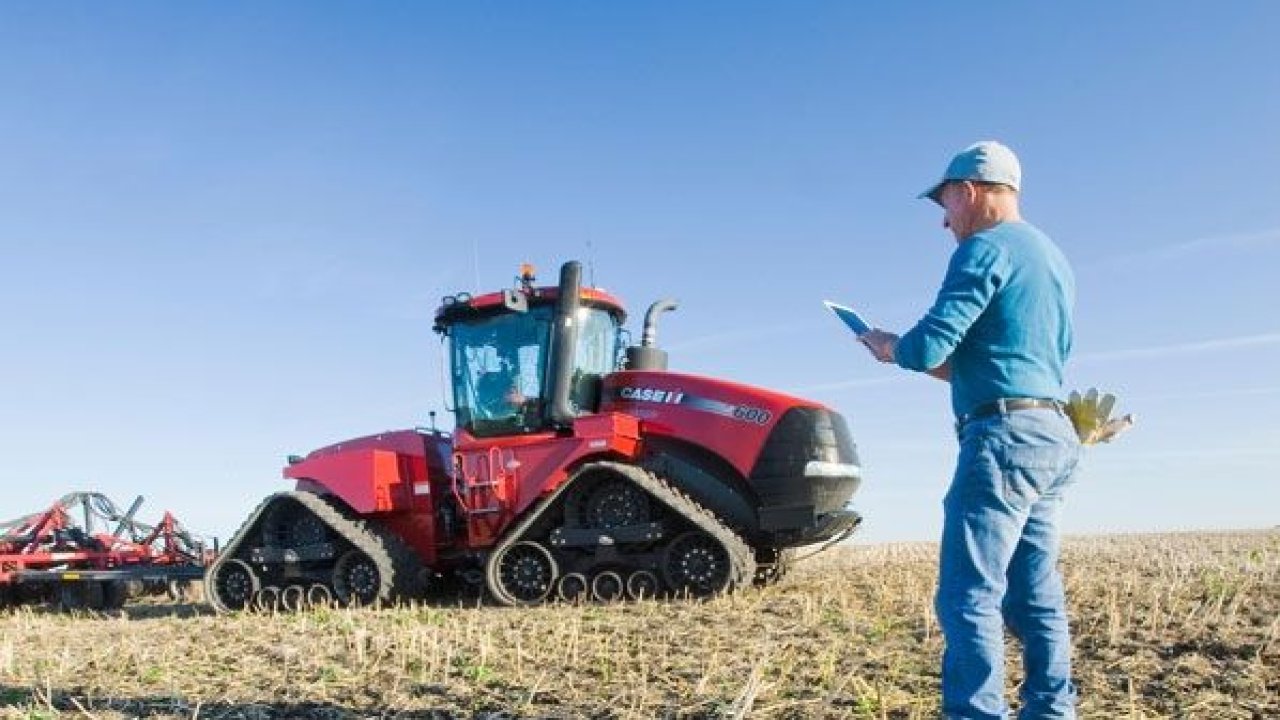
(881, 344)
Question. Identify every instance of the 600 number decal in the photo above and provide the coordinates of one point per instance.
(746, 413)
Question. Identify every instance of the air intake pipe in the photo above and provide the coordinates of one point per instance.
(647, 355)
(564, 343)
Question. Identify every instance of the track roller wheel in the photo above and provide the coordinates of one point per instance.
(696, 564)
(358, 581)
(307, 529)
(319, 595)
(573, 588)
(607, 587)
(293, 598)
(522, 573)
(267, 600)
(616, 503)
(234, 585)
(289, 524)
(643, 585)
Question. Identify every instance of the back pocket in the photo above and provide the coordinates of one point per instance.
(1029, 471)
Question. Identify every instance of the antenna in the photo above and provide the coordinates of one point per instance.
(591, 265)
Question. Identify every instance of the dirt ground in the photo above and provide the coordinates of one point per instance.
(1165, 626)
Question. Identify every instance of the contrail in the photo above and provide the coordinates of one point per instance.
(1264, 237)
(1270, 338)
(1211, 394)
(1175, 250)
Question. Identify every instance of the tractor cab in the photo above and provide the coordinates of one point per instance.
(529, 359)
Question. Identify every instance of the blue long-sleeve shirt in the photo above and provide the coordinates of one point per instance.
(1003, 318)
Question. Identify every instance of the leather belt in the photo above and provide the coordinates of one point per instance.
(1004, 406)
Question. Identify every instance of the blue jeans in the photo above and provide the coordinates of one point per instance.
(998, 566)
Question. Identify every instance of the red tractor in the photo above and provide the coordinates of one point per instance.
(575, 471)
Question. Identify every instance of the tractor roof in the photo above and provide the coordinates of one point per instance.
(464, 305)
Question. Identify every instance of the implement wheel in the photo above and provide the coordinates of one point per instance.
(114, 594)
(79, 595)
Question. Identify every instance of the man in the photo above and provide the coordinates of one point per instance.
(999, 332)
(498, 394)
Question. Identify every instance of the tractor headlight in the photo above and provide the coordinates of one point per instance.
(822, 468)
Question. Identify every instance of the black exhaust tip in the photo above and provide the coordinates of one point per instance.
(564, 344)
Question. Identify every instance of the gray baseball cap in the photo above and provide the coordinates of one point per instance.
(985, 161)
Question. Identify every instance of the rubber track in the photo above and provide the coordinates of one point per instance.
(741, 557)
(395, 560)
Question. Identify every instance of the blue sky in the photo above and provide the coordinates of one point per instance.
(224, 226)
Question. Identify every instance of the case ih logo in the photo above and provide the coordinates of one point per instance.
(743, 413)
(648, 394)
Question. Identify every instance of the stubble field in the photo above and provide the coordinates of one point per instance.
(1166, 626)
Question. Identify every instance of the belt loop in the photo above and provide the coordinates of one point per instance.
(1004, 407)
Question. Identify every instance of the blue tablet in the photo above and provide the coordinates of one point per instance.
(850, 318)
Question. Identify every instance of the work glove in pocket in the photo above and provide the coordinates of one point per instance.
(1090, 413)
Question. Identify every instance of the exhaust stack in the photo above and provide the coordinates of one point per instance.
(565, 342)
(647, 355)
